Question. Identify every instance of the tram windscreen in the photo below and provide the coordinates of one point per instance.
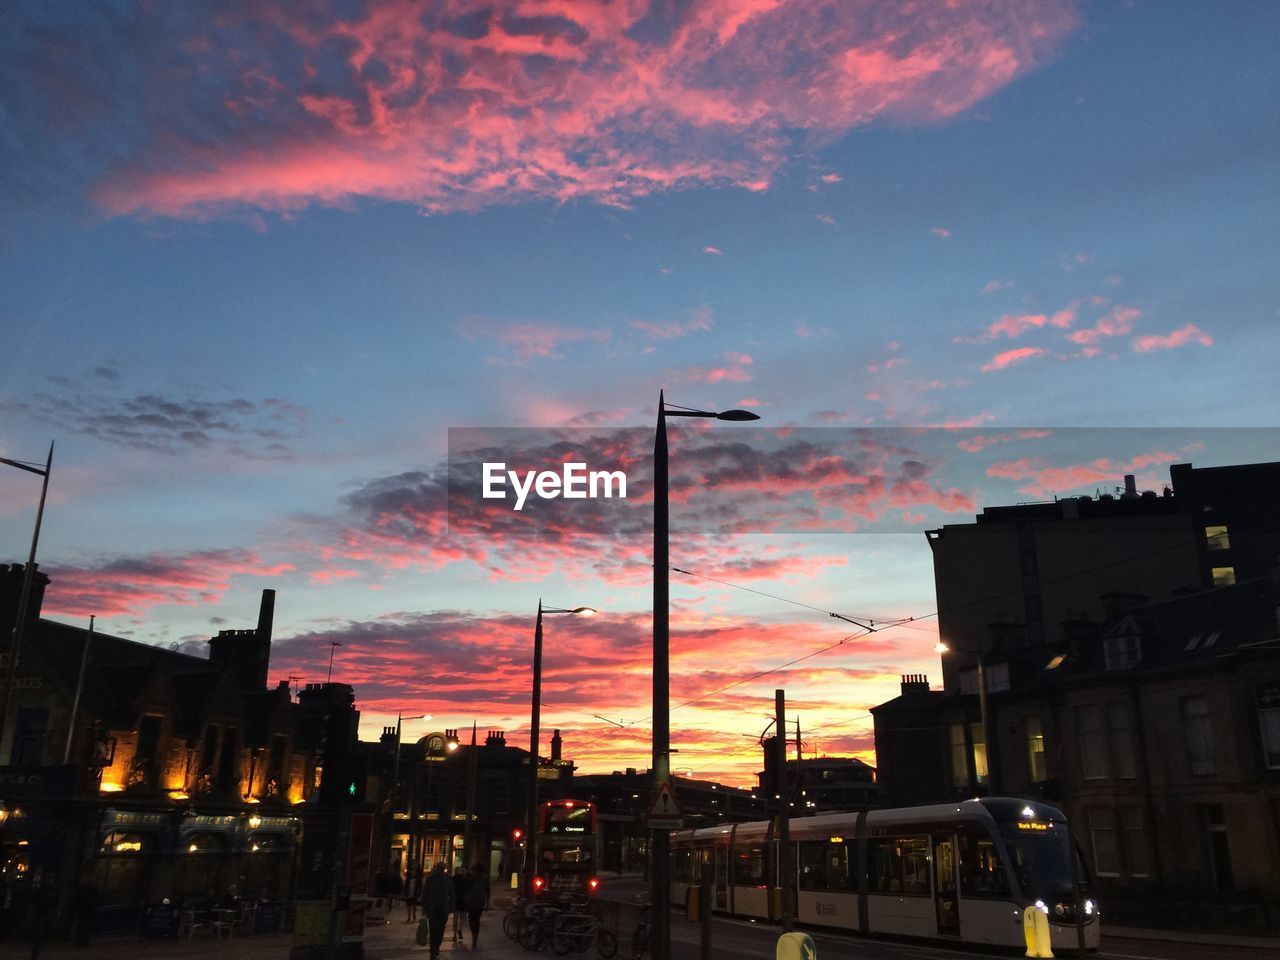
(568, 820)
(1040, 858)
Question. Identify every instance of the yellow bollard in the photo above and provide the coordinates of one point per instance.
(691, 905)
(515, 880)
(1035, 930)
(796, 946)
(1044, 940)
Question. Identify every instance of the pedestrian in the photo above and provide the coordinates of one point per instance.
(476, 900)
(437, 904)
(411, 895)
(459, 899)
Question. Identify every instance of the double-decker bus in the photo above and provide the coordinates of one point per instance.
(567, 847)
(963, 872)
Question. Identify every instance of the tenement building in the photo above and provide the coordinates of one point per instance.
(1129, 648)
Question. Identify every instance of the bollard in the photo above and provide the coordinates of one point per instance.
(796, 946)
(515, 881)
(1035, 930)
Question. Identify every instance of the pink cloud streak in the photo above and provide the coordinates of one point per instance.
(457, 104)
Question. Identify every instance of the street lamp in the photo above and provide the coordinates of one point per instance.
(660, 841)
(987, 746)
(24, 599)
(395, 776)
(531, 821)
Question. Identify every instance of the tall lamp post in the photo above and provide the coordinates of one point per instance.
(531, 819)
(24, 599)
(660, 841)
(987, 746)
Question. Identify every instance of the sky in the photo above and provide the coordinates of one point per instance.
(278, 279)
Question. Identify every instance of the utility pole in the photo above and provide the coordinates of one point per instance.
(784, 819)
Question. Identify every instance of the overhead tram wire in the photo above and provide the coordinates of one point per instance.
(871, 625)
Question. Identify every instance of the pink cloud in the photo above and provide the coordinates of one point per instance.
(1039, 479)
(700, 321)
(734, 369)
(1171, 341)
(1010, 357)
(127, 586)
(713, 251)
(978, 443)
(825, 218)
(994, 286)
(831, 178)
(1116, 323)
(878, 366)
(942, 232)
(526, 340)
(463, 104)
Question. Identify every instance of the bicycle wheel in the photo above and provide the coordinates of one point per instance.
(530, 936)
(511, 923)
(606, 943)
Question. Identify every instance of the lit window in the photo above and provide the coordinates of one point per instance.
(1224, 576)
(978, 736)
(1215, 538)
(1035, 751)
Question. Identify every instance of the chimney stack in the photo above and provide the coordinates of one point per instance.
(556, 746)
(914, 683)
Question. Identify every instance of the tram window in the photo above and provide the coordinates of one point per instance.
(681, 862)
(750, 867)
(898, 865)
(982, 874)
(824, 866)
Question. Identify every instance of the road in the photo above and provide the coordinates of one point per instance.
(746, 940)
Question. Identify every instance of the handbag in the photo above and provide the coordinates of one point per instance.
(423, 936)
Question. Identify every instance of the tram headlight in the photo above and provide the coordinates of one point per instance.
(1089, 908)
(1040, 905)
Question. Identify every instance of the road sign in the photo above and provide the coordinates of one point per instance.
(664, 813)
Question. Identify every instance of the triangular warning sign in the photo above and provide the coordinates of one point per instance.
(664, 804)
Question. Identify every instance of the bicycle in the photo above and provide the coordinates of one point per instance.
(644, 927)
(512, 918)
(576, 931)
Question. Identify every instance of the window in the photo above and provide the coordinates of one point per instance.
(1267, 698)
(1133, 841)
(29, 733)
(898, 865)
(1122, 652)
(1216, 538)
(1223, 576)
(981, 872)
(978, 736)
(1198, 728)
(1102, 830)
(824, 866)
(959, 757)
(1093, 750)
(750, 868)
(1120, 741)
(1036, 767)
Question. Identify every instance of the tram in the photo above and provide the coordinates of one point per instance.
(961, 872)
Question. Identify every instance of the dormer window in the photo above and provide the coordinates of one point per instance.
(1123, 652)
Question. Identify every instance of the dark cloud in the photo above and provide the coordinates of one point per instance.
(251, 429)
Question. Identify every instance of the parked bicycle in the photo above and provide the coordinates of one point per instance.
(644, 928)
(577, 928)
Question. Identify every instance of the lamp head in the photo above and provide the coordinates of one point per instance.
(941, 647)
(585, 611)
(737, 415)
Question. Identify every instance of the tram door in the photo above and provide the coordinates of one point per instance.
(944, 884)
(720, 874)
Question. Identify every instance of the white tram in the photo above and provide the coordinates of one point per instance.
(959, 872)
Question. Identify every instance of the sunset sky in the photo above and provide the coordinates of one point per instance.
(260, 267)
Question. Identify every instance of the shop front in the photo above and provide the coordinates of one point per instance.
(129, 867)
